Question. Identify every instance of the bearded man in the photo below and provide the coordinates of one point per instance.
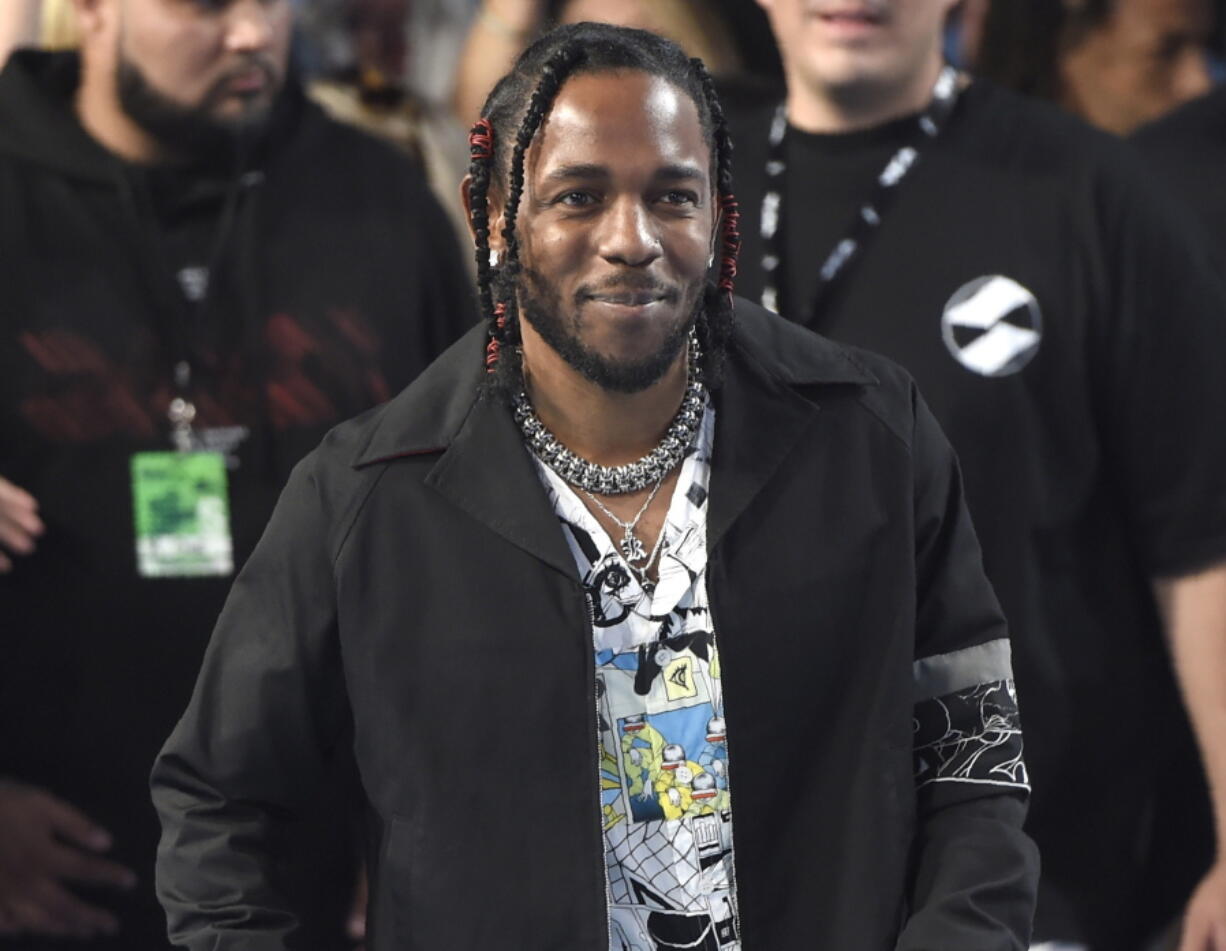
(199, 275)
(633, 521)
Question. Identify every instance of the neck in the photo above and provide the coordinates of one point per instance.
(98, 109)
(851, 107)
(604, 427)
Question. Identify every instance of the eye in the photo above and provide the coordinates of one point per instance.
(575, 199)
(680, 197)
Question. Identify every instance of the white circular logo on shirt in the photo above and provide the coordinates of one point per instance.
(992, 325)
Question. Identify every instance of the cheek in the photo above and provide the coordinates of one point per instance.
(177, 59)
(554, 252)
(690, 249)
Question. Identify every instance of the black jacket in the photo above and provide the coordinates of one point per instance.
(413, 612)
(338, 280)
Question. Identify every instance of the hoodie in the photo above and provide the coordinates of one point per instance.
(282, 294)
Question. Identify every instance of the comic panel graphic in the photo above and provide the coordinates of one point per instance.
(664, 752)
(667, 811)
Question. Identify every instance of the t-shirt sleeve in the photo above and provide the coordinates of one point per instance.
(1156, 350)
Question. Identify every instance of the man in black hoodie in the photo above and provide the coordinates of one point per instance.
(199, 274)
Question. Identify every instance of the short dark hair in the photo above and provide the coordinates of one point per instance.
(1023, 41)
(511, 117)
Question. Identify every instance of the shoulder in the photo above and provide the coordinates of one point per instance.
(337, 153)
(824, 371)
(1197, 124)
(1022, 135)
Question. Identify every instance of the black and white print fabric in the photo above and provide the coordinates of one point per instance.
(967, 727)
(662, 753)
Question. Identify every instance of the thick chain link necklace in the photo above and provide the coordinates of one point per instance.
(633, 476)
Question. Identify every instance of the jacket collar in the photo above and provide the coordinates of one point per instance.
(485, 470)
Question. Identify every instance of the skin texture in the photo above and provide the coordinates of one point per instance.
(45, 844)
(852, 64)
(1145, 59)
(1194, 611)
(618, 197)
(231, 56)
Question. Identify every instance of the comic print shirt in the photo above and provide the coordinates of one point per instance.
(663, 756)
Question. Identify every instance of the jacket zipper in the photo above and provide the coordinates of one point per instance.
(595, 707)
(736, 889)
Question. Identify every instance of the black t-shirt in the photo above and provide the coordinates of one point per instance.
(1067, 337)
(1188, 147)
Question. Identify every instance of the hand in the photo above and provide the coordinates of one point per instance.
(1204, 923)
(355, 927)
(19, 526)
(44, 842)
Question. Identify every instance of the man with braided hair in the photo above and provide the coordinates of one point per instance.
(572, 528)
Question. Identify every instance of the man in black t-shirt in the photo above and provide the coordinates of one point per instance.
(1067, 334)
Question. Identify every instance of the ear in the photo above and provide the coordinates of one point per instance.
(496, 214)
(717, 228)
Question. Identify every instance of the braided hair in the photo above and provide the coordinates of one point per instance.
(513, 114)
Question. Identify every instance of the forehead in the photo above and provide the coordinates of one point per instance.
(622, 119)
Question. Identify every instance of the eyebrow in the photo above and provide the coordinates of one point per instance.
(667, 173)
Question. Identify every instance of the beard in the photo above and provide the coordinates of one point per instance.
(194, 131)
(541, 306)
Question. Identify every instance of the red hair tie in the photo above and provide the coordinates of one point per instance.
(481, 141)
(731, 229)
(493, 349)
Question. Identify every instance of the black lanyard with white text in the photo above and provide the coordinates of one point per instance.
(867, 219)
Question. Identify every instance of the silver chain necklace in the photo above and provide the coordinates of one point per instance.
(632, 547)
(633, 476)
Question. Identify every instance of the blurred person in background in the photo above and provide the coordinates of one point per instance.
(502, 29)
(1115, 63)
(199, 275)
(1067, 332)
(365, 61)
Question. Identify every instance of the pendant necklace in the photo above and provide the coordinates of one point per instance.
(631, 546)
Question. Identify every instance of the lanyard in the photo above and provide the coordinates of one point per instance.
(868, 218)
(192, 307)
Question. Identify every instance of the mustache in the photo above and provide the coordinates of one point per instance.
(249, 62)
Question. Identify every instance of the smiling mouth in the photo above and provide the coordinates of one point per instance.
(629, 298)
(851, 16)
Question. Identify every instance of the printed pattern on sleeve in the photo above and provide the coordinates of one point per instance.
(967, 726)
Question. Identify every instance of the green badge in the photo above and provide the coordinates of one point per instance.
(181, 505)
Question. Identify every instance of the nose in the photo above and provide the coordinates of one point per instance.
(629, 234)
(250, 25)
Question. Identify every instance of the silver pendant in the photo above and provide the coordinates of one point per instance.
(632, 548)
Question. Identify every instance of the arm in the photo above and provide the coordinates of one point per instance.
(265, 720)
(1194, 611)
(974, 872)
(501, 31)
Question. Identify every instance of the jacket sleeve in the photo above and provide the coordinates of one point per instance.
(264, 725)
(974, 871)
